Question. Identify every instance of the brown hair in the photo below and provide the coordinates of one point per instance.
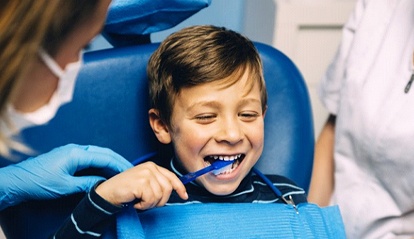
(197, 55)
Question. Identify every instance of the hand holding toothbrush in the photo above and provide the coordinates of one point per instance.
(146, 185)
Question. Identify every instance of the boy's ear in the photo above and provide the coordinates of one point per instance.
(159, 127)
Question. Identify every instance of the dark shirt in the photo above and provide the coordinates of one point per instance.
(90, 219)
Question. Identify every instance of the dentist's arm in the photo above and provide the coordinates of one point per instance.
(322, 182)
(51, 175)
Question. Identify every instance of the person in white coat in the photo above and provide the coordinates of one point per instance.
(364, 156)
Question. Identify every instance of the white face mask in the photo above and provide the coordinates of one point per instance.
(61, 96)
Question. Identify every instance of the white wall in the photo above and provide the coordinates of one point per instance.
(309, 32)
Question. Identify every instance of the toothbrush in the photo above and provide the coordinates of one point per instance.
(217, 167)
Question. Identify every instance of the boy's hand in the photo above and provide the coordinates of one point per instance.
(149, 183)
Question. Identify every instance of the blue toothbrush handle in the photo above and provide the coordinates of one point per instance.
(216, 165)
(192, 176)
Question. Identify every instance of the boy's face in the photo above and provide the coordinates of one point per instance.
(212, 120)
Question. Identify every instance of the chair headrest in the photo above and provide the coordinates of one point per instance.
(128, 19)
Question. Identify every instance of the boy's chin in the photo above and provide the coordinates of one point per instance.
(220, 189)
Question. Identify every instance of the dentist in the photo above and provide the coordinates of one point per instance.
(40, 56)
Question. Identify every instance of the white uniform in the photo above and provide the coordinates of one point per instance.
(374, 141)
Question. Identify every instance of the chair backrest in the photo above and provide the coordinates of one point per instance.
(110, 109)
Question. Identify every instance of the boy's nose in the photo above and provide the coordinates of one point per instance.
(230, 132)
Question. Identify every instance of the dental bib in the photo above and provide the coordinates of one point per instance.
(232, 220)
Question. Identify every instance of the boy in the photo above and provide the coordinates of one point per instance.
(208, 100)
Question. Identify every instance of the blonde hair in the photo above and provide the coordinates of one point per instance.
(25, 26)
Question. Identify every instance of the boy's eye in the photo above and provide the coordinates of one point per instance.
(249, 116)
(205, 118)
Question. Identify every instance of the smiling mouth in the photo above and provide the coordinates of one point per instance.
(227, 169)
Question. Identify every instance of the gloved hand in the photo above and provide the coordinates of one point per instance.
(51, 175)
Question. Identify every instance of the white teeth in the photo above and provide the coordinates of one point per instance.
(226, 158)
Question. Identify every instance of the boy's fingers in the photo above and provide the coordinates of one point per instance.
(159, 187)
(177, 185)
(149, 198)
(164, 192)
(158, 191)
(181, 190)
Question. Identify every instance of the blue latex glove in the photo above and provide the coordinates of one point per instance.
(51, 175)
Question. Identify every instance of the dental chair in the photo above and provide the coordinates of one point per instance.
(109, 109)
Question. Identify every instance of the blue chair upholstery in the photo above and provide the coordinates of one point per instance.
(110, 108)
